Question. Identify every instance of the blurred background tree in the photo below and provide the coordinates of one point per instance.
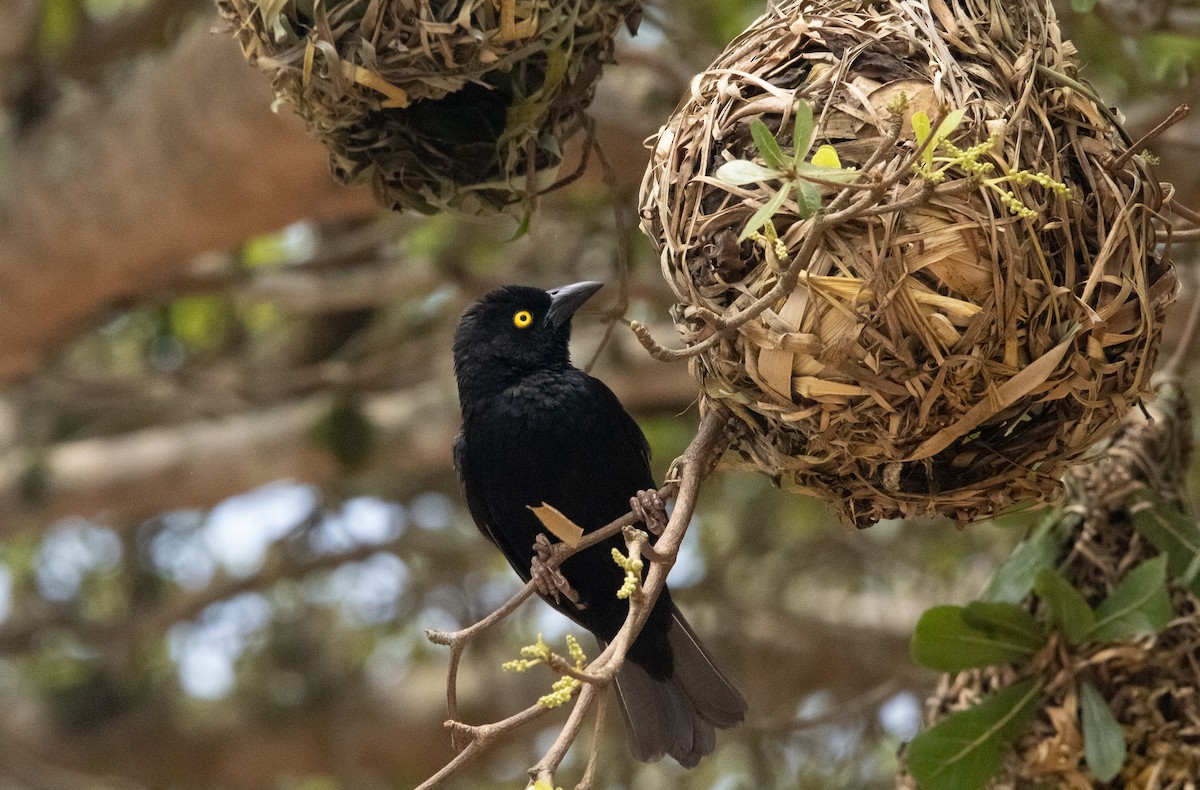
(227, 510)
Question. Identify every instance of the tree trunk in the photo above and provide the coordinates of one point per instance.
(105, 201)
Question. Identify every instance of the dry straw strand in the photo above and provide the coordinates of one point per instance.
(954, 339)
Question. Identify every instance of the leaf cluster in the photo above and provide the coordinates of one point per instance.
(966, 749)
(798, 176)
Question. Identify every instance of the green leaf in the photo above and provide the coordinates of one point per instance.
(802, 136)
(945, 641)
(948, 125)
(965, 750)
(841, 175)
(1014, 578)
(1140, 605)
(765, 212)
(808, 197)
(742, 171)
(768, 146)
(922, 128)
(1005, 619)
(1069, 610)
(1103, 738)
(1171, 532)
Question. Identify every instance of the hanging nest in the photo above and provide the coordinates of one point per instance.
(1151, 685)
(438, 105)
(924, 343)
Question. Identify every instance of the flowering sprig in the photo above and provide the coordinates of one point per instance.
(939, 155)
(633, 573)
(540, 653)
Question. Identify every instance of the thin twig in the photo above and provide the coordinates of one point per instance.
(618, 310)
(545, 768)
(480, 738)
(457, 641)
(1191, 234)
(1191, 215)
(1177, 115)
(589, 773)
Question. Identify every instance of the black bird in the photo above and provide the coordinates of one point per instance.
(538, 430)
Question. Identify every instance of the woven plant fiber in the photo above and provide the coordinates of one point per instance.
(462, 104)
(925, 343)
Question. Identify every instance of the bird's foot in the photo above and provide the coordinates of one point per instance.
(650, 509)
(547, 581)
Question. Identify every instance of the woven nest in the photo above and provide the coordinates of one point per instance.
(938, 352)
(463, 104)
(1152, 685)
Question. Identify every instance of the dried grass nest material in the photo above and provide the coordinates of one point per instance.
(939, 353)
(1152, 685)
(438, 104)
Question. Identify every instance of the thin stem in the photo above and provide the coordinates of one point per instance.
(693, 465)
(481, 738)
(564, 667)
(457, 641)
(544, 770)
(1191, 234)
(618, 310)
(1177, 115)
(1191, 215)
(589, 773)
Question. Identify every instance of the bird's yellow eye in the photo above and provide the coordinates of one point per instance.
(522, 319)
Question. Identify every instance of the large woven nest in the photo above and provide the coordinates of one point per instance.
(450, 103)
(937, 352)
(1152, 685)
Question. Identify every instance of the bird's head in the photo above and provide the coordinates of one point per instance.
(515, 331)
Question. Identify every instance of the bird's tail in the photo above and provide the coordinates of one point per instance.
(677, 715)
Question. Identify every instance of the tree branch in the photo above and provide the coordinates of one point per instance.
(696, 462)
(145, 182)
(197, 464)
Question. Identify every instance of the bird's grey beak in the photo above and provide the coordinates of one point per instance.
(566, 300)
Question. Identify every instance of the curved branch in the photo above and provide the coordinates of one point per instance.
(696, 462)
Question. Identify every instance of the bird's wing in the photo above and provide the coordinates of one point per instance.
(476, 504)
(629, 429)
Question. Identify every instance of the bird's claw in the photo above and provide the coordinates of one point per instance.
(547, 581)
(650, 509)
